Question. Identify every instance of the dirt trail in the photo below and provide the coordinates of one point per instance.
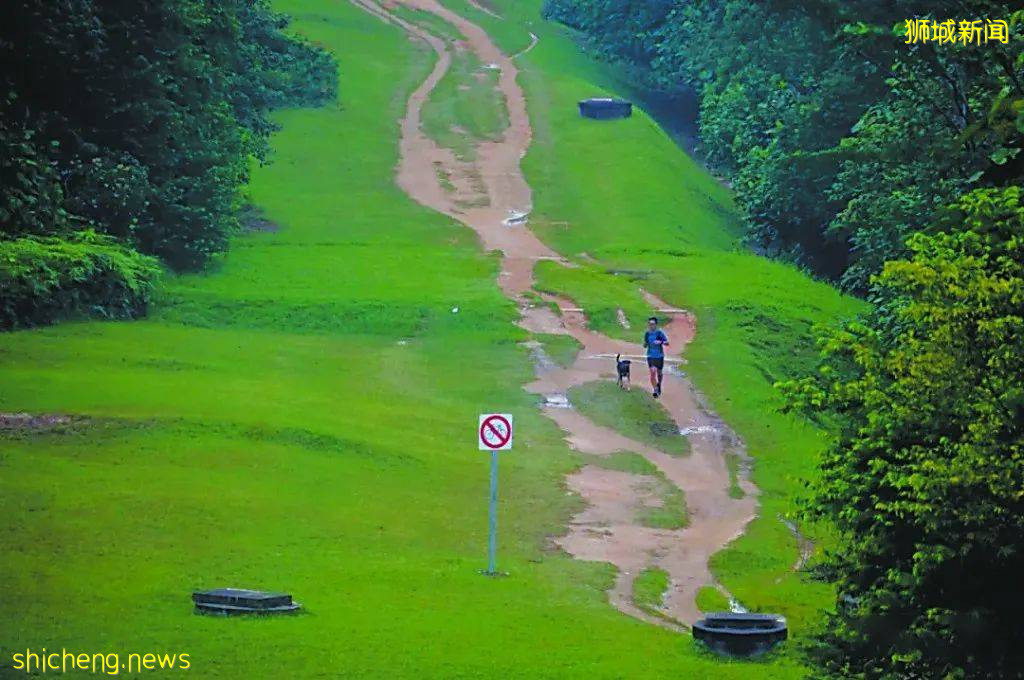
(608, 529)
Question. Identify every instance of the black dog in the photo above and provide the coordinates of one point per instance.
(622, 367)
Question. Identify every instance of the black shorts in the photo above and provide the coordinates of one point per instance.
(656, 362)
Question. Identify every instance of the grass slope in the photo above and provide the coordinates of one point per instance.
(633, 413)
(601, 292)
(562, 349)
(621, 198)
(465, 108)
(301, 419)
(649, 590)
(711, 599)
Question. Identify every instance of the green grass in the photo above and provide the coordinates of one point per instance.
(625, 461)
(600, 293)
(711, 599)
(634, 413)
(510, 33)
(428, 21)
(466, 107)
(649, 589)
(563, 349)
(622, 192)
(732, 461)
(445, 179)
(302, 419)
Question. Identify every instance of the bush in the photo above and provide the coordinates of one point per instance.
(44, 279)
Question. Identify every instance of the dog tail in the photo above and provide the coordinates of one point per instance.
(617, 357)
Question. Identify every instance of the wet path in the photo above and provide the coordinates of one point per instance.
(608, 530)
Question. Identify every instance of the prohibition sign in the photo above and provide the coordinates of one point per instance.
(495, 432)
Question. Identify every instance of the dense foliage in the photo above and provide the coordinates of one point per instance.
(46, 278)
(896, 169)
(138, 120)
(925, 481)
(840, 139)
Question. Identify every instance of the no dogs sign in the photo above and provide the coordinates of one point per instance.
(495, 432)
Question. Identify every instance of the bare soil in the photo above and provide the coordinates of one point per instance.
(29, 421)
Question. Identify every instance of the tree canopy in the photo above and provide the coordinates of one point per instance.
(895, 168)
(138, 120)
(925, 480)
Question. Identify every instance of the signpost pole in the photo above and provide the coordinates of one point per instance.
(494, 434)
(492, 541)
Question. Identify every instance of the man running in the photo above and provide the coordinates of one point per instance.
(655, 342)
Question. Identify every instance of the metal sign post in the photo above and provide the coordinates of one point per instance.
(494, 434)
(492, 536)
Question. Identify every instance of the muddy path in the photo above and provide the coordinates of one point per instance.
(490, 195)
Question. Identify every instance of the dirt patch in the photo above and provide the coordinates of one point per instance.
(252, 218)
(29, 421)
(262, 225)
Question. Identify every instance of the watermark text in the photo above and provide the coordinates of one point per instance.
(112, 663)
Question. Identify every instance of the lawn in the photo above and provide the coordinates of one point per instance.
(562, 349)
(302, 418)
(649, 590)
(633, 413)
(465, 108)
(601, 292)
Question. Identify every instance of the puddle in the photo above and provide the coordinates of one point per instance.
(557, 401)
(541, 360)
(699, 429)
(515, 219)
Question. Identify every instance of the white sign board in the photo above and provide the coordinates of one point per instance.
(495, 432)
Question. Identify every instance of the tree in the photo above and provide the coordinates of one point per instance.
(149, 111)
(925, 480)
(137, 121)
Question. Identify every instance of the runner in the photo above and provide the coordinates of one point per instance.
(655, 342)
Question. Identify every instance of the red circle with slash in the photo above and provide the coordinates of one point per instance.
(495, 431)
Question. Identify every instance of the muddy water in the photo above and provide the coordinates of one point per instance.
(608, 529)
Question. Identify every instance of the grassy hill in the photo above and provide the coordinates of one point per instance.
(620, 198)
(302, 417)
